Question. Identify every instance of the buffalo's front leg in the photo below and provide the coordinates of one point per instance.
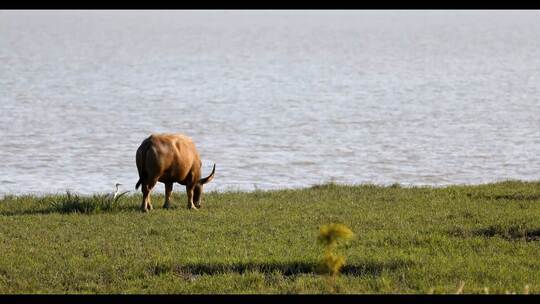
(197, 196)
(168, 192)
(190, 190)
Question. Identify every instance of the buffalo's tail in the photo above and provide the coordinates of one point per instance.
(140, 160)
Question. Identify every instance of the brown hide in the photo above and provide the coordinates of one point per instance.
(170, 158)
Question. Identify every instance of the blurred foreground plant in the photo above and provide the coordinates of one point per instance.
(330, 236)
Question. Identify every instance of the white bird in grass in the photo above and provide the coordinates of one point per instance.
(115, 193)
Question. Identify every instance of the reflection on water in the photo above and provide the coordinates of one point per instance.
(276, 99)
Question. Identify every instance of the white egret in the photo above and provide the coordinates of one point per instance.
(114, 194)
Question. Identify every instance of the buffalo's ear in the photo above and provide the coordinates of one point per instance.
(210, 177)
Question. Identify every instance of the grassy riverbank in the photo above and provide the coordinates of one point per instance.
(408, 240)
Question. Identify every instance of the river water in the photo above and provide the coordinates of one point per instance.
(277, 99)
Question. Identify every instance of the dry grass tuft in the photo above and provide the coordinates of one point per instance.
(460, 288)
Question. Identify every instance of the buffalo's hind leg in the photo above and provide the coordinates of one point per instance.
(168, 192)
(145, 193)
(146, 189)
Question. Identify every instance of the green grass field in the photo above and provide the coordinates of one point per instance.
(407, 240)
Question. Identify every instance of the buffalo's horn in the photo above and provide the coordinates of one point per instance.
(205, 180)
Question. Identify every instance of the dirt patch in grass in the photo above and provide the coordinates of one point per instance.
(514, 233)
(511, 233)
(509, 197)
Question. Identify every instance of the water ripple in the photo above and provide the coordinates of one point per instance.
(275, 99)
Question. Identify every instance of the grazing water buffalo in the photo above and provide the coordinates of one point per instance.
(170, 158)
